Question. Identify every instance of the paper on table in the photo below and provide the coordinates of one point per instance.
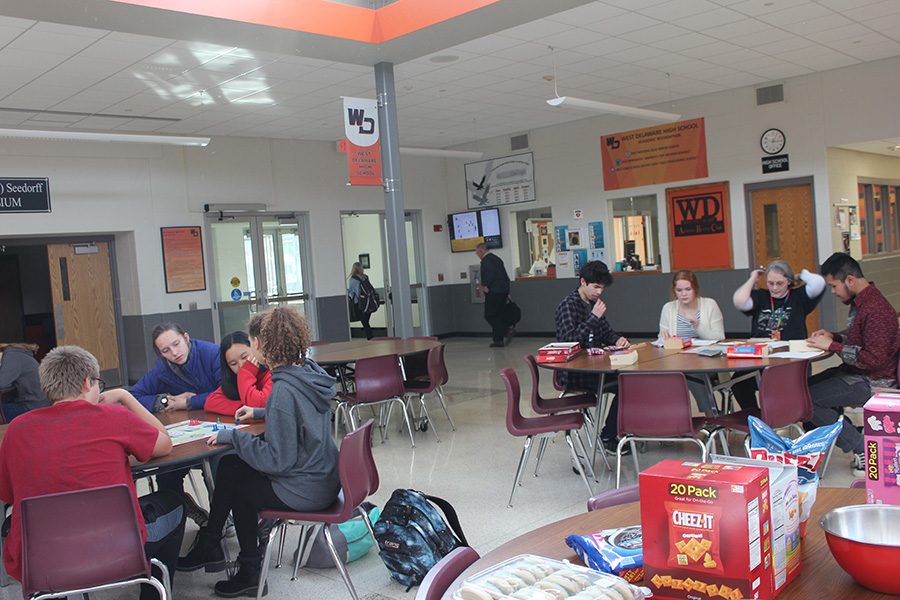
(779, 344)
(697, 342)
(811, 354)
(699, 349)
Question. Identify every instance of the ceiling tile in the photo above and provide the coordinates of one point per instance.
(855, 30)
(535, 30)
(605, 46)
(711, 19)
(588, 13)
(806, 27)
(676, 9)
(51, 43)
(763, 39)
(755, 8)
(71, 30)
(622, 24)
(683, 42)
(662, 31)
(568, 40)
(488, 44)
(8, 34)
(875, 51)
(796, 14)
(885, 8)
(745, 27)
(480, 64)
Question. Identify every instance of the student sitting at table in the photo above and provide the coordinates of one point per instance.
(580, 318)
(186, 371)
(294, 467)
(83, 440)
(778, 312)
(691, 315)
(245, 382)
(19, 382)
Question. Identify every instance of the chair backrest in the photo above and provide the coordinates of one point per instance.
(445, 572)
(654, 404)
(356, 467)
(415, 366)
(437, 368)
(784, 394)
(514, 418)
(535, 382)
(614, 497)
(378, 378)
(80, 539)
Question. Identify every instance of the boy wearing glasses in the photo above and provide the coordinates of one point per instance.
(81, 441)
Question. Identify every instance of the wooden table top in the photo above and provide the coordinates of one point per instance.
(342, 353)
(820, 576)
(651, 358)
(191, 453)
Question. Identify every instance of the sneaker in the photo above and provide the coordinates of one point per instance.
(611, 445)
(859, 465)
(244, 582)
(206, 552)
(195, 512)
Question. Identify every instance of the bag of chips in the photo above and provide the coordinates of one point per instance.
(616, 551)
(806, 453)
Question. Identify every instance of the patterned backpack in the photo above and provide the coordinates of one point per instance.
(413, 536)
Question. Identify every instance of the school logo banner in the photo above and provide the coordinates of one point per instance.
(362, 145)
(658, 154)
(699, 228)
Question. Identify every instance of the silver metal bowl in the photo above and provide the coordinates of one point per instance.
(877, 524)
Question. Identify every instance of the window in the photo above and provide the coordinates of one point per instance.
(635, 231)
(533, 245)
(879, 221)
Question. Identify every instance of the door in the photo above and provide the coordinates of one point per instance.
(258, 261)
(11, 325)
(416, 289)
(784, 228)
(83, 307)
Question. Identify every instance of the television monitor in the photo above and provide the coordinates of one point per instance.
(470, 228)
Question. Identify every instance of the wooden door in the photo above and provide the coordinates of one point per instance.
(11, 329)
(784, 228)
(83, 309)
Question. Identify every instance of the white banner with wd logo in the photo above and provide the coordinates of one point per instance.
(362, 146)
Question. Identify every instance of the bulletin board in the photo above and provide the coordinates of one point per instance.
(699, 227)
(182, 250)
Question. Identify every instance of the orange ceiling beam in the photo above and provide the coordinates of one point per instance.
(323, 17)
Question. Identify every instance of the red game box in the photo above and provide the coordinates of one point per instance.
(707, 532)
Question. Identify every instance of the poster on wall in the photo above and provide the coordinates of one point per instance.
(182, 250)
(562, 238)
(507, 180)
(699, 228)
(597, 247)
(658, 154)
(564, 266)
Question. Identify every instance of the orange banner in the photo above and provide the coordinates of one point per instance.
(659, 154)
(699, 227)
(362, 146)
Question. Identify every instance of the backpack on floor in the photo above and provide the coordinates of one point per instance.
(351, 539)
(368, 298)
(413, 536)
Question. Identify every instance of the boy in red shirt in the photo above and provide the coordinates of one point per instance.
(83, 440)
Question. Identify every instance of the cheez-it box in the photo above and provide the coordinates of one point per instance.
(882, 432)
(706, 530)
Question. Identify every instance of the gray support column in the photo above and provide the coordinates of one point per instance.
(401, 300)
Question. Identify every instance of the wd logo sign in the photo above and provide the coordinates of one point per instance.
(699, 214)
(361, 121)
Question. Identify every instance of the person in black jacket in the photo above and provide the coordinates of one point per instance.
(495, 284)
(19, 381)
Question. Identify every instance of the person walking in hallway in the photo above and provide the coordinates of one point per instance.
(495, 285)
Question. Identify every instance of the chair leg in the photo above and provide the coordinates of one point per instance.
(368, 523)
(634, 453)
(267, 558)
(281, 542)
(542, 447)
(619, 461)
(426, 418)
(703, 453)
(385, 421)
(583, 450)
(827, 460)
(353, 424)
(588, 426)
(523, 459)
(166, 578)
(412, 440)
(578, 463)
(339, 564)
(440, 395)
(723, 439)
(305, 538)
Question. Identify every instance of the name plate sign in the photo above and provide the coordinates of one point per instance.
(24, 195)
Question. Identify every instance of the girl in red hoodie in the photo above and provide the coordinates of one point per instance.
(245, 382)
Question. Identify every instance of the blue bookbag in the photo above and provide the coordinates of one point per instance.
(412, 535)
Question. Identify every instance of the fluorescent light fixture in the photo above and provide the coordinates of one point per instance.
(614, 109)
(440, 152)
(100, 136)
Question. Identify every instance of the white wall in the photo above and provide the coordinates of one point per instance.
(819, 110)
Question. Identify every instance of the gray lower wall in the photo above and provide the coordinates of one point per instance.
(333, 320)
(139, 347)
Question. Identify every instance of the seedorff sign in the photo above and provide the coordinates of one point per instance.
(24, 195)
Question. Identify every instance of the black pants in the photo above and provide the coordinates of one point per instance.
(495, 314)
(745, 393)
(364, 319)
(164, 517)
(242, 491)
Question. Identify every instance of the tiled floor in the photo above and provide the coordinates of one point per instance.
(472, 467)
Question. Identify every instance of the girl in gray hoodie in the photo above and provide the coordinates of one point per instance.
(295, 467)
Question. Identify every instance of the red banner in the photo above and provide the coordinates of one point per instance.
(658, 154)
(699, 227)
(362, 145)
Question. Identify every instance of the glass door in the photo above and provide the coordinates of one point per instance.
(416, 289)
(257, 261)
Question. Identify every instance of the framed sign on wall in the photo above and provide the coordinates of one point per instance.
(506, 180)
(699, 227)
(182, 249)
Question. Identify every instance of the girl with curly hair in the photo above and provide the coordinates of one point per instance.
(293, 468)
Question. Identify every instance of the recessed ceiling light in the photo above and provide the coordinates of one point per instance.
(547, 77)
(444, 58)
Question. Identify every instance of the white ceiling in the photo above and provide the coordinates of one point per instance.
(634, 52)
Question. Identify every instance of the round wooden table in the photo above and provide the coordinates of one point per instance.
(820, 576)
(342, 353)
